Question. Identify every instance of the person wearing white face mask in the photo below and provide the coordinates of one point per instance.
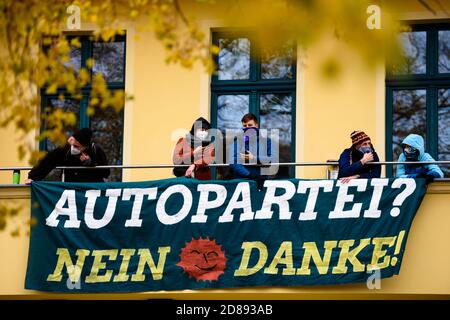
(353, 162)
(195, 150)
(78, 151)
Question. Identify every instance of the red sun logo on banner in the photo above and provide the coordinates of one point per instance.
(203, 259)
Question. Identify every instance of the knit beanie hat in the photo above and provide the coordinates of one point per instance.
(358, 137)
(83, 136)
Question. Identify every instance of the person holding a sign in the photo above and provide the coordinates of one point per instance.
(196, 150)
(353, 162)
(78, 151)
(414, 150)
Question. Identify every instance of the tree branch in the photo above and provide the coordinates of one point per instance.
(180, 12)
(442, 8)
(426, 5)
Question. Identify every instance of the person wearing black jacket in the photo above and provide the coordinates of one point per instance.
(78, 151)
(353, 162)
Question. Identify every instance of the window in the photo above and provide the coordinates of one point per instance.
(418, 92)
(252, 78)
(106, 124)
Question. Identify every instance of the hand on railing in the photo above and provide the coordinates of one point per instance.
(347, 179)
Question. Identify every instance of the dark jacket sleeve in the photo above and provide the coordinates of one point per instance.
(101, 160)
(51, 160)
(345, 168)
(375, 171)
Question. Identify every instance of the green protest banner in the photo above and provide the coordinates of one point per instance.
(188, 234)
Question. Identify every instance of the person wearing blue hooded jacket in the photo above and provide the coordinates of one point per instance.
(414, 150)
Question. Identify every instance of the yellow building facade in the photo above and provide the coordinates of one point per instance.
(168, 98)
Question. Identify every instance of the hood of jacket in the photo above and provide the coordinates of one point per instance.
(416, 141)
(200, 123)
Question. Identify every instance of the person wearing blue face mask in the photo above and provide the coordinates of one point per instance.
(414, 150)
(244, 152)
(353, 162)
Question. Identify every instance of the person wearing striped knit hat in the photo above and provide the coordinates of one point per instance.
(353, 162)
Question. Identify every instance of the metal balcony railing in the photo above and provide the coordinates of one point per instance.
(164, 166)
(217, 165)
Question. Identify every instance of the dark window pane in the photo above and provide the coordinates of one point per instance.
(107, 126)
(66, 105)
(277, 63)
(444, 51)
(444, 129)
(276, 113)
(109, 60)
(409, 116)
(230, 110)
(75, 59)
(414, 53)
(234, 59)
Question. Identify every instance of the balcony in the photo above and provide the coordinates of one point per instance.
(424, 272)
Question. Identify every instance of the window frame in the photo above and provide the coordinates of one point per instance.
(255, 86)
(84, 121)
(431, 81)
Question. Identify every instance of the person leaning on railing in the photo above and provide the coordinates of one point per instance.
(414, 150)
(78, 151)
(241, 149)
(353, 161)
(196, 150)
